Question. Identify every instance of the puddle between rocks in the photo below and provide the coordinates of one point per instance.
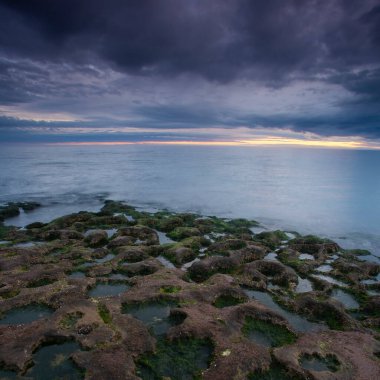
(108, 290)
(325, 268)
(156, 316)
(271, 256)
(304, 285)
(297, 322)
(346, 299)
(163, 238)
(117, 276)
(316, 363)
(306, 256)
(105, 259)
(330, 280)
(54, 362)
(165, 262)
(26, 314)
(29, 244)
(186, 266)
(371, 281)
(77, 275)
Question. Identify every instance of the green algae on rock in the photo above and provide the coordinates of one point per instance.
(182, 359)
(267, 333)
(109, 287)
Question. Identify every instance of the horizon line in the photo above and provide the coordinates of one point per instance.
(338, 144)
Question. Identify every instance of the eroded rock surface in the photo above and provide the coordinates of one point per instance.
(136, 308)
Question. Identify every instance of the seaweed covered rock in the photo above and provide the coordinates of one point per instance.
(140, 234)
(272, 271)
(201, 270)
(180, 255)
(272, 239)
(314, 245)
(328, 311)
(96, 238)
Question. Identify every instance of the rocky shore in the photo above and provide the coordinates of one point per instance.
(125, 294)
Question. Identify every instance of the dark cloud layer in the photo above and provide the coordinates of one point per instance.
(272, 42)
(218, 39)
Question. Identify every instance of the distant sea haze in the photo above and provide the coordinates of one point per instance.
(329, 192)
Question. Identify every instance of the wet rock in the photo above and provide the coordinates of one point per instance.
(333, 313)
(180, 255)
(315, 246)
(169, 224)
(354, 362)
(274, 271)
(141, 234)
(201, 270)
(96, 238)
(34, 225)
(85, 329)
(9, 211)
(272, 239)
(110, 363)
(121, 241)
(372, 306)
(62, 235)
(354, 271)
(142, 268)
(180, 233)
(132, 254)
(223, 247)
(18, 343)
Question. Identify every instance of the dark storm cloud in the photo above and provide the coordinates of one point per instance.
(217, 39)
(271, 42)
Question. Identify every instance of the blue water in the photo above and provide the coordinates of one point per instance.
(334, 193)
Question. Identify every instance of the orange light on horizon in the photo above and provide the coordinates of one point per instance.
(265, 141)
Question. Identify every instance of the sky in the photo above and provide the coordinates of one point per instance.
(191, 71)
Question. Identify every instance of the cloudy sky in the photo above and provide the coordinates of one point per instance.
(220, 71)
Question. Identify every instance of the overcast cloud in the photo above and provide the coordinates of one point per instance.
(161, 69)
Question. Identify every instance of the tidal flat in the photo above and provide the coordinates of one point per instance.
(130, 294)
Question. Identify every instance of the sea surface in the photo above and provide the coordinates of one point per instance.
(332, 193)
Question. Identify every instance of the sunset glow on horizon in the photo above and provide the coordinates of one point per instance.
(269, 141)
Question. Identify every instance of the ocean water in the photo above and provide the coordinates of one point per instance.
(332, 193)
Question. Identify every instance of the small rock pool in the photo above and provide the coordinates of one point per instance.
(26, 314)
(107, 290)
(156, 316)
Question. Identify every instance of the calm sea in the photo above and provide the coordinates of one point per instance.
(334, 193)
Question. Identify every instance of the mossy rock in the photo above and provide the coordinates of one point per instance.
(104, 313)
(180, 233)
(9, 211)
(40, 282)
(34, 225)
(170, 289)
(272, 239)
(113, 207)
(311, 239)
(69, 320)
(195, 242)
(180, 255)
(357, 252)
(226, 300)
(5, 231)
(169, 224)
